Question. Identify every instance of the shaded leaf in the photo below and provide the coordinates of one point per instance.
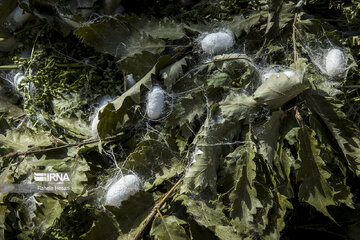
(21, 140)
(164, 28)
(242, 24)
(115, 37)
(171, 73)
(168, 227)
(202, 173)
(139, 64)
(48, 210)
(313, 175)
(244, 200)
(347, 138)
(210, 215)
(268, 138)
(132, 213)
(104, 226)
(2, 221)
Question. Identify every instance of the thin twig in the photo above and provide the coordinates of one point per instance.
(294, 37)
(226, 59)
(261, 49)
(15, 154)
(8, 67)
(163, 221)
(154, 211)
(352, 86)
(298, 117)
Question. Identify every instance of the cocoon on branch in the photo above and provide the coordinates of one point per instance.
(280, 88)
(288, 72)
(155, 104)
(19, 16)
(218, 42)
(122, 189)
(334, 62)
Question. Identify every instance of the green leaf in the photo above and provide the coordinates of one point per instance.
(237, 106)
(2, 221)
(209, 213)
(155, 159)
(11, 109)
(187, 109)
(47, 212)
(202, 173)
(18, 140)
(117, 38)
(132, 213)
(236, 68)
(278, 89)
(164, 28)
(240, 24)
(104, 227)
(269, 136)
(313, 174)
(244, 200)
(139, 64)
(329, 152)
(340, 127)
(276, 217)
(74, 127)
(220, 79)
(280, 15)
(171, 73)
(168, 227)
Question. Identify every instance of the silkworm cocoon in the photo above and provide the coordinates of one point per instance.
(19, 16)
(122, 189)
(155, 102)
(95, 121)
(130, 81)
(196, 152)
(218, 42)
(94, 124)
(288, 72)
(334, 62)
(267, 75)
(18, 78)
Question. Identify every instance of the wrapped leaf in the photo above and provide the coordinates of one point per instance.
(279, 88)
